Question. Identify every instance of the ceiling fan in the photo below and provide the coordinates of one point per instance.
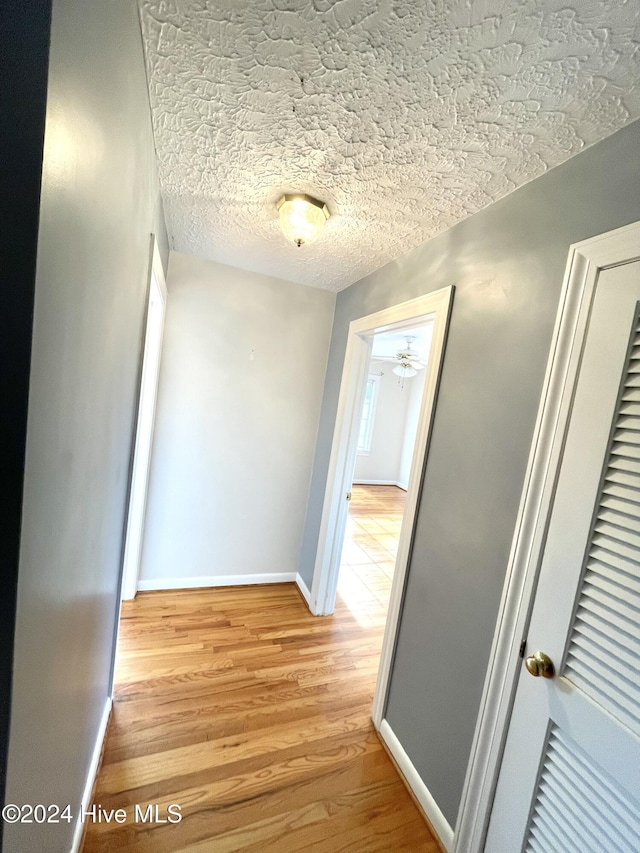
(408, 361)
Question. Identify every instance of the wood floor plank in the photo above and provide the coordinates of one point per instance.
(135, 772)
(164, 730)
(254, 716)
(215, 808)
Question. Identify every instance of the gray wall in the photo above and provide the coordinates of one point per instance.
(99, 204)
(243, 365)
(507, 264)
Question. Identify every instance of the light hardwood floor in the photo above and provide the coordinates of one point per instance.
(254, 716)
(369, 551)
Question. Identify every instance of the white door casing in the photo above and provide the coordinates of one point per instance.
(571, 762)
(144, 426)
(435, 306)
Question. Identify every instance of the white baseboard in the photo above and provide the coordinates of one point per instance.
(304, 589)
(374, 482)
(379, 483)
(91, 776)
(419, 789)
(214, 580)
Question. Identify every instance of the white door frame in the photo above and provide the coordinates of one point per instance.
(584, 263)
(436, 306)
(157, 296)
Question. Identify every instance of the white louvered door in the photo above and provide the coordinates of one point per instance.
(570, 777)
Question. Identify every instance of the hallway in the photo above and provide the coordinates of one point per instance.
(254, 717)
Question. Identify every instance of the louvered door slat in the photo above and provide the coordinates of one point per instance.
(578, 807)
(558, 814)
(621, 475)
(545, 839)
(595, 622)
(629, 451)
(613, 562)
(625, 422)
(630, 409)
(629, 653)
(617, 487)
(620, 519)
(618, 505)
(629, 466)
(580, 763)
(620, 613)
(624, 627)
(621, 533)
(619, 586)
(614, 546)
(617, 686)
(609, 595)
(565, 806)
(619, 572)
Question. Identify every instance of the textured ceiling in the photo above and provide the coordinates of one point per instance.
(405, 116)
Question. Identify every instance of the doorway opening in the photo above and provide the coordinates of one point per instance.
(386, 441)
(431, 311)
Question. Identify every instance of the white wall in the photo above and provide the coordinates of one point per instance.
(414, 398)
(383, 460)
(242, 372)
(394, 429)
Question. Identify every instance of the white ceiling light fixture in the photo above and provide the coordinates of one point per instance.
(302, 217)
(404, 369)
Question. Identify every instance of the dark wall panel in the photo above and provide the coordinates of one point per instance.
(24, 53)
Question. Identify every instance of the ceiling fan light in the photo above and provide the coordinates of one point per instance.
(302, 217)
(409, 356)
(404, 370)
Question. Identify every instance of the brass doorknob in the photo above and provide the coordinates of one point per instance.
(539, 664)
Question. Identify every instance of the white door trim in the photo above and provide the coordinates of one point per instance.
(435, 305)
(145, 417)
(129, 570)
(585, 261)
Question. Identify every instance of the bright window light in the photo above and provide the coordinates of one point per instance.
(368, 415)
